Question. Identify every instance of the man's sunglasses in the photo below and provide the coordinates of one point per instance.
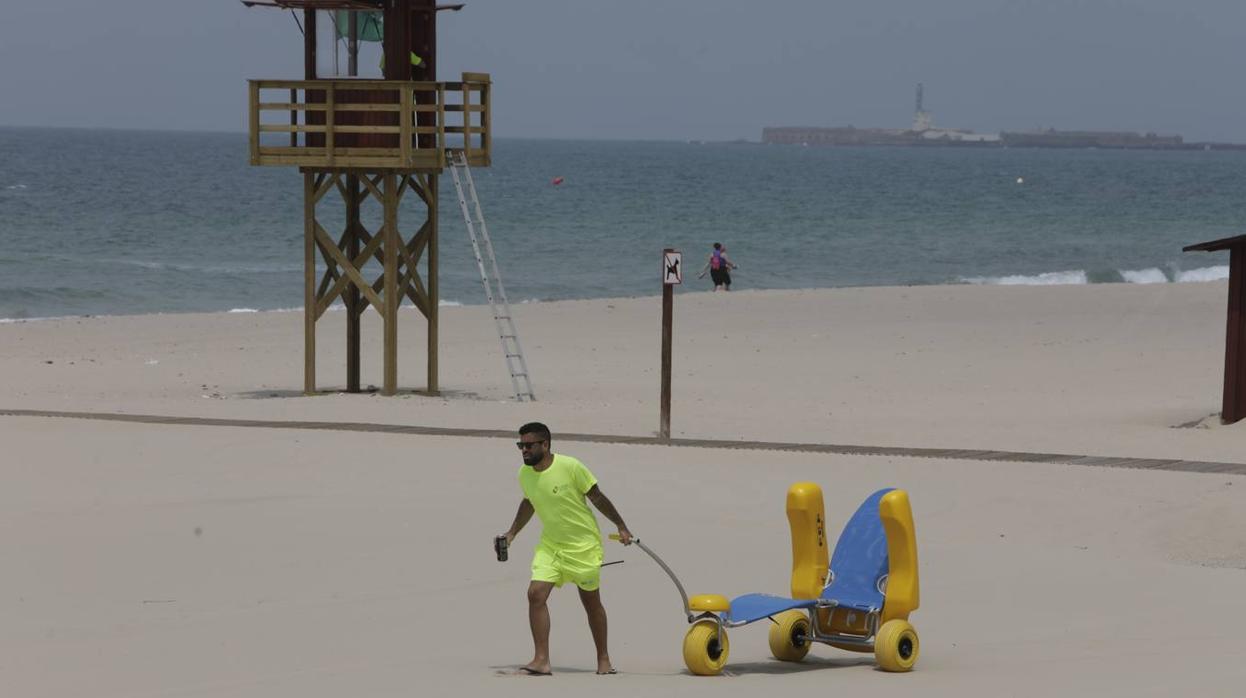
(525, 445)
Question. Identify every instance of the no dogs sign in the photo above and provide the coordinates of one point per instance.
(672, 267)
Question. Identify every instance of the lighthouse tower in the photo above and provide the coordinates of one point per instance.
(922, 119)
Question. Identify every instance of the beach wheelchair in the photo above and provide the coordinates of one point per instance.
(859, 602)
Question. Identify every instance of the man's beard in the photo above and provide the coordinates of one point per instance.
(531, 458)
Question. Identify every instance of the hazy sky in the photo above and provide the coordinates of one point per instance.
(690, 69)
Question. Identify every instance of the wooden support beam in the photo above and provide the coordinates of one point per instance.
(1234, 407)
(397, 40)
(441, 125)
(294, 116)
(467, 119)
(330, 97)
(309, 281)
(330, 273)
(352, 299)
(347, 267)
(374, 188)
(309, 44)
(390, 313)
(255, 122)
(405, 116)
(432, 292)
(419, 183)
(323, 184)
(410, 283)
(486, 122)
(342, 283)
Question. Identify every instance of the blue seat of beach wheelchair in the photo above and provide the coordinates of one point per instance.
(858, 566)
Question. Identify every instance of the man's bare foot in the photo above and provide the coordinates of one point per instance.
(534, 670)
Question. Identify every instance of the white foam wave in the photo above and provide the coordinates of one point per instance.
(270, 310)
(18, 320)
(1051, 278)
(1204, 274)
(208, 269)
(448, 304)
(14, 187)
(1153, 275)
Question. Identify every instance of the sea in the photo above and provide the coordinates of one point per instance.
(110, 222)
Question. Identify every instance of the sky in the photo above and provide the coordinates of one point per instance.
(674, 70)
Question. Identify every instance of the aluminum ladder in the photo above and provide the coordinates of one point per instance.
(515, 363)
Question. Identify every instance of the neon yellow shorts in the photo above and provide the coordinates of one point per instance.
(583, 569)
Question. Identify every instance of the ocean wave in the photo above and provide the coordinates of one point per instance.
(1204, 274)
(335, 307)
(16, 320)
(1154, 275)
(1076, 277)
(56, 293)
(16, 187)
(1051, 278)
(208, 268)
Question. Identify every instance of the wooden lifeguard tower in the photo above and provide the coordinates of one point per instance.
(376, 142)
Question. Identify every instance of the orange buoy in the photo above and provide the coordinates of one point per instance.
(556, 181)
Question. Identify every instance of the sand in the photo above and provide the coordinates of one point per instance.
(169, 560)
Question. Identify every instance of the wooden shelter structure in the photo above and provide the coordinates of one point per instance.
(377, 144)
(1234, 407)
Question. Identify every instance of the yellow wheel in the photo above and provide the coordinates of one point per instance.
(705, 649)
(896, 646)
(789, 636)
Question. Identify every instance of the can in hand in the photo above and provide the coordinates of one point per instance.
(499, 544)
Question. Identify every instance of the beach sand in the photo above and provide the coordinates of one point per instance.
(186, 560)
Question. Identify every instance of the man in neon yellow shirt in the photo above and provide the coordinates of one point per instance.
(554, 488)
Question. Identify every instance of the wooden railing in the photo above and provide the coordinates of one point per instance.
(380, 124)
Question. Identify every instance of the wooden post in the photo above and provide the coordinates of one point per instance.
(406, 117)
(309, 44)
(1234, 407)
(309, 73)
(422, 31)
(441, 126)
(668, 307)
(309, 283)
(391, 298)
(467, 120)
(353, 309)
(397, 28)
(486, 125)
(433, 295)
(352, 224)
(294, 118)
(255, 121)
(330, 99)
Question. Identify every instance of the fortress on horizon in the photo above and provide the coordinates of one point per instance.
(923, 132)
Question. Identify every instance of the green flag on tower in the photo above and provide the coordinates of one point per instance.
(369, 25)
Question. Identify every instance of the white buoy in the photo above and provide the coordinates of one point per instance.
(1020, 180)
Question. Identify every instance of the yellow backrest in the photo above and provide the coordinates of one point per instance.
(902, 596)
(809, 547)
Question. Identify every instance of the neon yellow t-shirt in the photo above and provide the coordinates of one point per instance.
(557, 495)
